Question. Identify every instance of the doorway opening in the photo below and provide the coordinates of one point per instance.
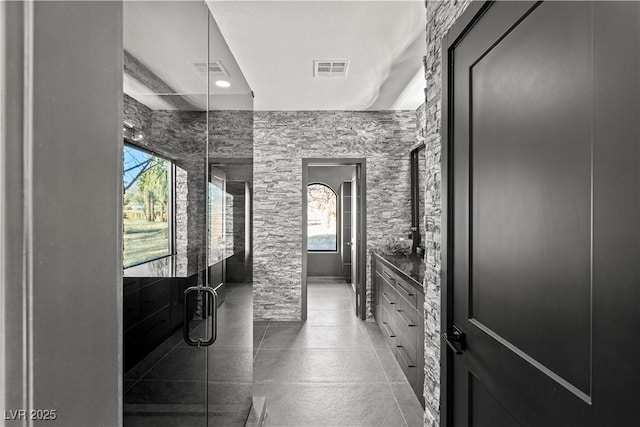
(334, 226)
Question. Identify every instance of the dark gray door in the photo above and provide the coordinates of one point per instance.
(543, 212)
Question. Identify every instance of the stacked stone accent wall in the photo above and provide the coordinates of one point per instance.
(230, 134)
(441, 15)
(181, 136)
(281, 140)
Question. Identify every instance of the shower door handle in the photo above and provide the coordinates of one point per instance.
(210, 299)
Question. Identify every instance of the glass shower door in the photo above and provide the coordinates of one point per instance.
(230, 180)
(188, 337)
(168, 308)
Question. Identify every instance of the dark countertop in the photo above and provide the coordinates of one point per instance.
(411, 267)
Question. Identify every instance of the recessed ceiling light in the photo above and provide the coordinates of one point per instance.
(222, 83)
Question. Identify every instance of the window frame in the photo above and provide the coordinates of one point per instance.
(338, 225)
(171, 208)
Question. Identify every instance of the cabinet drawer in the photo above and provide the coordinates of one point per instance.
(387, 274)
(388, 325)
(408, 367)
(408, 353)
(388, 297)
(408, 292)
(407, 313)
(410, 333)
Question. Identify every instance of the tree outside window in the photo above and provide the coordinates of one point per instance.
(146, 207)
(322, 204)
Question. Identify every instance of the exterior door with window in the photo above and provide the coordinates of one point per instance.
(543, 215)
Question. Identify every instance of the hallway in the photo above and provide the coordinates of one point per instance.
(333, 370)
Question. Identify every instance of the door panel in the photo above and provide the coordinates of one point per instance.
(522, 254)
(544, 167)
(486, 410)
(165, 383)
(229, 372)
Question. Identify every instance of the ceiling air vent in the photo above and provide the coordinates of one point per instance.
(330, 68)
(214, 68)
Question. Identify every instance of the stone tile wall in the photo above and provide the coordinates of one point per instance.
(440, 17)
(281, 140)
(230, 134)
(181, 135)
(421, 131)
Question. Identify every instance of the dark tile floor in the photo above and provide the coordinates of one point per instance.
(167, 388)
(333, 370)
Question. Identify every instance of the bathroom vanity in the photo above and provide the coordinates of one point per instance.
(398, 310)
(154, 301)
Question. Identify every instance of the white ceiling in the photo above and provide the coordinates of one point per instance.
(165, 36)
(275, 43)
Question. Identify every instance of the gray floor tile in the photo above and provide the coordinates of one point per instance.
(258, 335)
(164, 392)
(188, 364)
(174, 419)
(308, 336)
(329, 304)
(234, 336)
(286, 323)
(375, 334)
(332, 318)
(318, 365)
(330, 405)
(409, 404)
(231, 365)
(185, 415)
(182, 363)
(390, 366)
(333, 369)
(127, 384)
(147, 363)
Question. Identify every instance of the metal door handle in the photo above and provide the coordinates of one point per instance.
(187, 316)
(455, 339)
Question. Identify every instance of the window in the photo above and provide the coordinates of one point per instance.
(147, 206)
(322, 203)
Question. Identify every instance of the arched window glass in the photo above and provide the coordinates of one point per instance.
(322, 204)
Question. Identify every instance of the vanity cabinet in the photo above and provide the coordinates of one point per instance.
(154, 303)
(398, 310)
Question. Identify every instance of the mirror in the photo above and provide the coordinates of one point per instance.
(418, 182)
